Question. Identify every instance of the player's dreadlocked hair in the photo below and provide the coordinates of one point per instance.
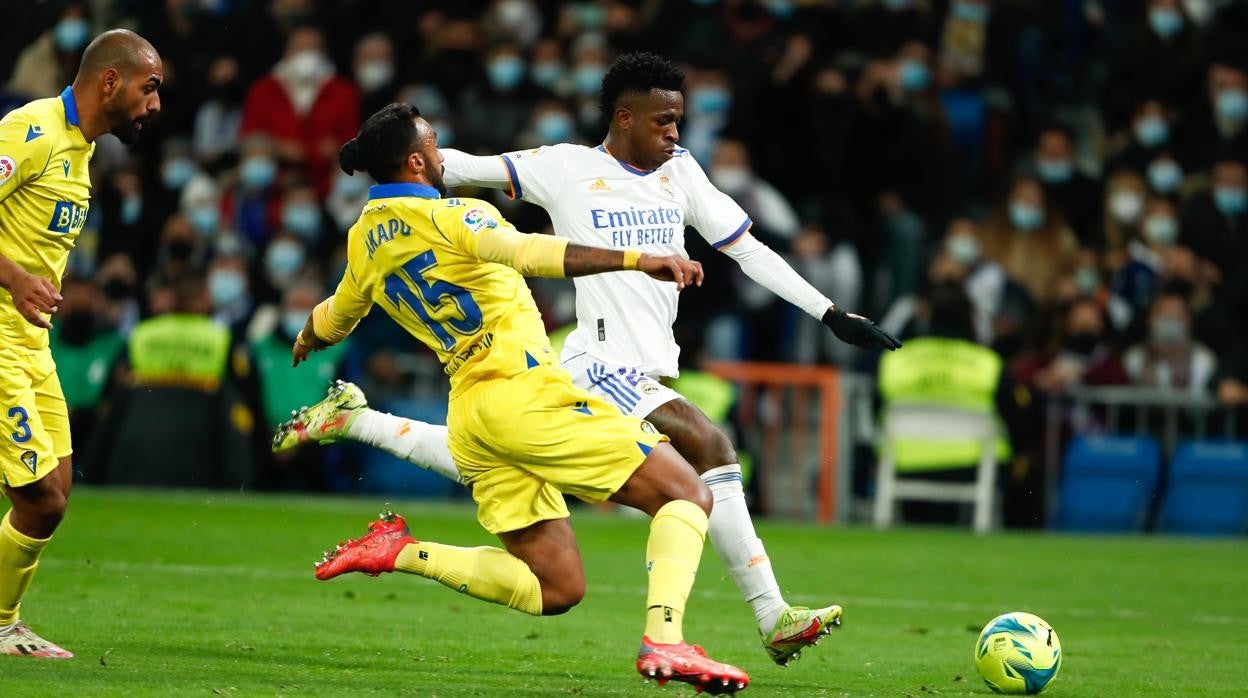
(383, 143)
(637, 72)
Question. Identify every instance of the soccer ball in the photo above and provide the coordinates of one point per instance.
(1018, 653)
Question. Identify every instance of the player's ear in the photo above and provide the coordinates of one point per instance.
(624, 117)
(111, 81)
(416, 162)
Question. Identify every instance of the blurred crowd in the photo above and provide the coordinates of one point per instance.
(1079, 167)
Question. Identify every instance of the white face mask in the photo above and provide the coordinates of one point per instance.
(1126, 206)
(730, 177)
(308, 65)
(374, 75)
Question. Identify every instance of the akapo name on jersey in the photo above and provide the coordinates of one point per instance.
(663, 222)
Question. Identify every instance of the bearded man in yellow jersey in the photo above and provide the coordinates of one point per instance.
(449, 271)
(45, 187)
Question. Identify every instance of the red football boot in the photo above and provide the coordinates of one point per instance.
(371, 554)
(689, 664)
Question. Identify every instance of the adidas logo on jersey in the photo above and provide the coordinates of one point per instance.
(599, 185)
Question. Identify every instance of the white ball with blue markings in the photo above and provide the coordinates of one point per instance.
(1018, 653)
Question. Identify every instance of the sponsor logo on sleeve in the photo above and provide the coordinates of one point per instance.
(8, 167)
(478, 220)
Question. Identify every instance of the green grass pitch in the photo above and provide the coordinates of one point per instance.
(203, 593)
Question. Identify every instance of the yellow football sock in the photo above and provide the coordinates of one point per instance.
(489, 574)
(673, 552)
(19, 556)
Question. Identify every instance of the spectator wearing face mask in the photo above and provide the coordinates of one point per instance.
(1076, 196)
(494, 115)
(984, 280)
(283, 263)
(283, 389)
(131, 217)
(1136, 280)
(1125, 192)
(550, 123)
(1143, 139)
(46, 66)
(229, 290)
(373, 67)
(253, 202)
(347, 197)
(1170, 359)
(1215, 222)
(1224, 132)
(1162, 55)
(305, 108)
(1030, 241)
(1082, 353)
(302, 216)
(201, 204)
(547, 70)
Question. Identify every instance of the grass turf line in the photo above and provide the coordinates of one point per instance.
(205, 593)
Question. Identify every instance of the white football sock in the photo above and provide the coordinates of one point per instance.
(732, 535)
(416, 442)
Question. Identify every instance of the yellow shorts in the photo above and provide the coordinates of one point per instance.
(523, 442)
(35, 420)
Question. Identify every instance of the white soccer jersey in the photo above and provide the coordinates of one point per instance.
(625, 318)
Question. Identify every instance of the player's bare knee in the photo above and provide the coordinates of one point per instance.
(702, 497)
(716, 449)
(559, 597)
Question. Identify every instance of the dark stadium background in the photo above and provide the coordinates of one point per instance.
(870, 140)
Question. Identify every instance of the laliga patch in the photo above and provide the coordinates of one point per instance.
(521, 154)
(478, 220)
(31, 460)
(8, 167)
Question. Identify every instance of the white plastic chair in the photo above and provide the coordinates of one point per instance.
(937, 423)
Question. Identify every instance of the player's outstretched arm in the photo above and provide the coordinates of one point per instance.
(763, 265)
(33, 295)
(549, 256)
(463, 169)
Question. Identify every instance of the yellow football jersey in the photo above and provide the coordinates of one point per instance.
(415, 255)
(44, 192)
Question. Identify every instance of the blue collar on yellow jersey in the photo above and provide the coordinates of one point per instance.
(71, 105)
(388, 191)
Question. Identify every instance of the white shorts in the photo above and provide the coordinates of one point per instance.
(635, 393)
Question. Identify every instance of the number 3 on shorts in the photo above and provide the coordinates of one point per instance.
(22, 435)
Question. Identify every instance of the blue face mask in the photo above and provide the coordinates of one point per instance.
(780, 8)
(257, 172)
(553, 127)
(964, 249)
(204, 219)
(1055, 171)
(710, 100)
(1165, 21)
(1232, 105)
(547, 74)
(970, 11)
(177, 172)
(896, 5)
(914, 75)
(1025, 217)
(446, 133)
(284, 259)
(1230, 200)
(71, 34)
(1164, 176)
(590, 15)
(302, 219)
(226, 286)
(587, 78)
(1152, 131)
(1087, 280)
(293, 322)
(131, 209)
(505, 72)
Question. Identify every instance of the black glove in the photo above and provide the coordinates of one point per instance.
(858, 330)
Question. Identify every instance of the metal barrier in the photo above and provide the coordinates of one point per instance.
(801, 402)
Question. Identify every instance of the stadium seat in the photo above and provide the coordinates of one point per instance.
(1208, 489)
(1108, 483)
(936, 424)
